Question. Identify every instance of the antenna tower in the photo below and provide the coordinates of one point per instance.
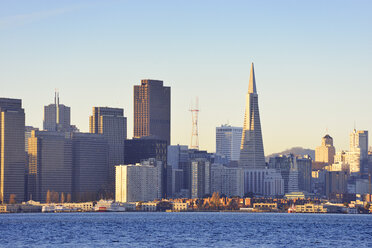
(195, 134)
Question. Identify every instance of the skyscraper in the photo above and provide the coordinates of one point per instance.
(326, 152)
(57, 117)
(12, 150)
(50, 164)
(251, 149)
(357, 157)
(228, 140)
(90, 166)
(359, 139)
(200, 178)
(113, 125)
(152, 110)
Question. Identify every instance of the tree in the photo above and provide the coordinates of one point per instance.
(12, 199)
(249, 195)
(48, 197)
(68, 197)
(215, 200)
(62, 197)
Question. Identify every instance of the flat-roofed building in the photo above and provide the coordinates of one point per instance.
(228, 181)
(265, 182)
(228, 141)
(90, 166)
(50, 164)
(139, 182)
(200, 178)
(152, 110)
(12, 150)
(111, 123)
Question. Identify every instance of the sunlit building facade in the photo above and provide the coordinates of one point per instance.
(326, 152)
(12, 150)
(152, 106)
(112, 124)
(139, 182)
(252, 151)
(228, 141)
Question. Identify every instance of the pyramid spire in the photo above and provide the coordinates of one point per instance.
(252, 82)
(251, 149)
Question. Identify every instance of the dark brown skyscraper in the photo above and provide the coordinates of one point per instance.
(152, 110)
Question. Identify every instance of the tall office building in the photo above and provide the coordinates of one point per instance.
(200, 178)
(143, 148)
(50, 164)
(359, 139)
(177, 156)
(28, 131)
(90, 166)
(12, 150)
(295, 171)
(336, 182)
(359, 144)
(137, 150)
(139, 182)
(57, 117)
(326, 152)
(252, 151)
(111, 123)
(152, 107)
(263, 181)
(227, 180)
(228, 140)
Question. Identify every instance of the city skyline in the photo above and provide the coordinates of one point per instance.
(314, 73)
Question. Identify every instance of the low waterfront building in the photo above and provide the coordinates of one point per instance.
(180, 206)
(265, 206)
(20, 208)
(149, 206)
(297, 195)
(310, 208)
(80, 206)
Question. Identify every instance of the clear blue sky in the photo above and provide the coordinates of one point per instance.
(313, 62)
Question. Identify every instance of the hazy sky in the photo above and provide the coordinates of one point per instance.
(313, 62)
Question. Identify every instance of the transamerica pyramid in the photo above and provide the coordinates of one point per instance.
(251, 149)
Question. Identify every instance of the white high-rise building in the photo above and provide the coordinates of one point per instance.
(357, 156)
(252, 151)
(228, 141)
(227, 180)
(359, 139)
(263, 181)
(139, 182)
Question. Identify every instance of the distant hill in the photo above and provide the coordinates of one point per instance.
(296, 151)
